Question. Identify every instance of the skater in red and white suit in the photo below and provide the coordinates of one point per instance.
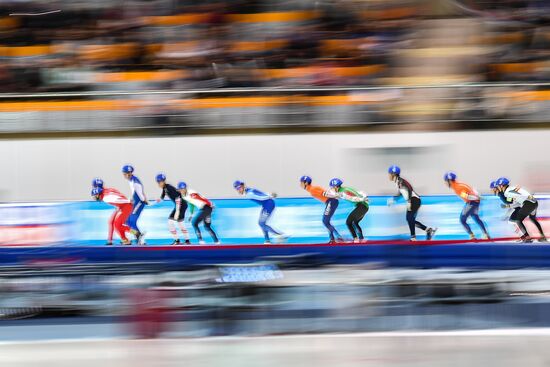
(120, 215)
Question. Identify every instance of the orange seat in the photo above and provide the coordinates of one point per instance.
(9, 23)
(527, 67)
(186, 104)
(26, 51)
(280, 17)
(48, 106)
(180, 19)
(533, 96)
(257, 46)
(352, 71)
(337, 45)
(141, 76)
(108, 52)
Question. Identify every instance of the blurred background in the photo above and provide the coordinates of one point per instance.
(80, 66)
(266, 91)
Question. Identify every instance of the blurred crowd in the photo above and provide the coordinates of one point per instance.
(245, 43)
(107, 44)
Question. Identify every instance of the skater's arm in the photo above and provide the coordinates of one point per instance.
(191, 210)
(405, 189)
(400, 189)
(504, 200)
(254, 194)
(469, 196)
(332, 194)
(353, 196)
(518, 193)
(138, 189)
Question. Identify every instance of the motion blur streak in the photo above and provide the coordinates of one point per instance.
(267, 91)
(442, 349)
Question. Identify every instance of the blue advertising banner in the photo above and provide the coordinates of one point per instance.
(36, 223)
(236, 220)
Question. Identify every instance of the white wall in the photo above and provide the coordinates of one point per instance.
(59, 169)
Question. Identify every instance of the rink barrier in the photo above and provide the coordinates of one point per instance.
(485, 255)
(236, 221)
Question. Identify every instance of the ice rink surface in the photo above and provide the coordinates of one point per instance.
(461, 348)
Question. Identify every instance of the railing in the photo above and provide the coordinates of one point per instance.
(473, 103)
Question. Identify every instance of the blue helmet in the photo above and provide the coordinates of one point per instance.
(449, 176)
(335, 182)
(306, 179)
(97, 182)
(493, 185)
(237, 184)
(160, 177)
(182, 185)
(97, 191)
(128, 169)
(503, 181)
(394, 170)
